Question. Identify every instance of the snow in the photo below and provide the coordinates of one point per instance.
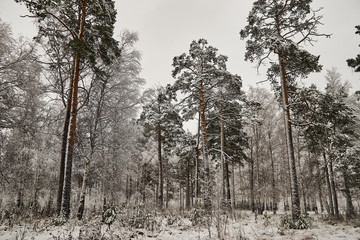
(243, 225)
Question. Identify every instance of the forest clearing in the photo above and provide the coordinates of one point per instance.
(89, 150)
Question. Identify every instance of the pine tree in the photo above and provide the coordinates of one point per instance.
(161, 120)
(87, 27)
(198, 74)
(355, 62)
(280, 28)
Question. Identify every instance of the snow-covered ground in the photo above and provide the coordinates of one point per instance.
(242, 226)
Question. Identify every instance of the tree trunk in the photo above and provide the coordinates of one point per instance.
(328, 183)
(274, 203)
(226, 198)
(83, 191)
(197, 154)
(187, 204)
(161, 177)
(252, 198)
(319, 187)
(207, 185)
(71, 142)
(233, 185)
(64, 142)
(333, 188)
(166, 172)
(295, 200)
(301, 183)
(350, 211)
(227, 185)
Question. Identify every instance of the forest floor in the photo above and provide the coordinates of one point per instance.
(241, 226)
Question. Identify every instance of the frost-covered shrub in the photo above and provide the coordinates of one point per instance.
(171, 219)
(267, 219)
(197, 217)
(303, 222)
(109, 215)
(58, 221)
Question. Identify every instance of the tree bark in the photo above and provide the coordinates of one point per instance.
(161, 177)
(295, 200)
(83, 191)
(197, 155)
(319, 188)
(272, 175)
(207, 186)
(251, 178)
(333, 188)
(226, 197)
(328, 183)
(301, 182)
(71, 142)
(64, 143)
(350, 211)
(233, 185)
(187, 203)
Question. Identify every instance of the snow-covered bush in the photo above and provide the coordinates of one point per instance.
(304, 222)
(197, 217)
(109, 215)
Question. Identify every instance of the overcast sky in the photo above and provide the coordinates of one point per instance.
(167, 27)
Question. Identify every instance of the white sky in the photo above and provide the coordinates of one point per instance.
(167, 27)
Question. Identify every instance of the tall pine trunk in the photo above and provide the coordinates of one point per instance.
(197, 155)
(295, 200)
(74, 110)
(207, 185)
